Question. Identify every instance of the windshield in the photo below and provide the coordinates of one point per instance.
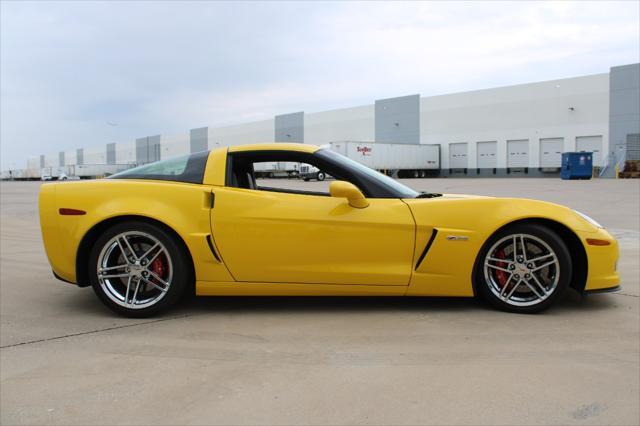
(392, 184)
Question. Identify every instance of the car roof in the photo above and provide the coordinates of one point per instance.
(277, 146)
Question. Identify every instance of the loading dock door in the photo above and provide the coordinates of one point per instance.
(591, 144)
(551, 152)
(458, 156)
(633, 146)
(518, 153)
(487, 155)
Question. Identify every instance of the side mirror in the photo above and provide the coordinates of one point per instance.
(342, 189)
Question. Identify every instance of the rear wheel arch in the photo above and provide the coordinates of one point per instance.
(577, 250)
(89, 239)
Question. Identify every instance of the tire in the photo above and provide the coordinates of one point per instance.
(306, 179)
(423, 174)
(141, 287)
(415, 174)
(321, 176)
(524, 284)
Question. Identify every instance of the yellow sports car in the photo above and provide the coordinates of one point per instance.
(145, 237)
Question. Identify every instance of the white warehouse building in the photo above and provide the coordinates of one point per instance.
(515, 130)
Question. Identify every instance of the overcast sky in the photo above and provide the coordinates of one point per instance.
(76, 74)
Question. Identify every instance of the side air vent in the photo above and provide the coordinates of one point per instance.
(426, 248)
(213, 249)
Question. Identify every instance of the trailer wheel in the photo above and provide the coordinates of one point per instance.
(321, 176)
(415, 173)
(423, 174)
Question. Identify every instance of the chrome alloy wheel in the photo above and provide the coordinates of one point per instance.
(521, 270)
(134, 270)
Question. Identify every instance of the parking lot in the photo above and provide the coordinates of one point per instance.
(66, 359)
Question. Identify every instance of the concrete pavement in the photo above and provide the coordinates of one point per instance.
(65, 359)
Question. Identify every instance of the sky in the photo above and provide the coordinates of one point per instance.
(77, 74)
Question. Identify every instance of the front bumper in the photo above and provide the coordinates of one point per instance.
(604, 290)
(602, 261)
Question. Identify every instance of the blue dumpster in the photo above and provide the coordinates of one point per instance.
(577, 165)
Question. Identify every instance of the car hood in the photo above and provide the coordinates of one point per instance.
(478, 212)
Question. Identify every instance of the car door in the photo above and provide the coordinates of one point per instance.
(266, 236)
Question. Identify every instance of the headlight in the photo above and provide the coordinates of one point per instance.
(588, 219)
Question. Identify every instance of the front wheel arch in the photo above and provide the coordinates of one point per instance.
(580, 263)
(84, 249)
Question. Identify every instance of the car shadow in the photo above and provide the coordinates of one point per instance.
(328, 304)
(570, 301)
(85, 303)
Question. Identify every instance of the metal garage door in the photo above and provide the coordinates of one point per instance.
(633, 146)
(458, 156)
(592, 144)
(487, 155)
(518, 153)
(551, 152)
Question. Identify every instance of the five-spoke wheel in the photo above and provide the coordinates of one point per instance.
(523, 268)
(138, 268)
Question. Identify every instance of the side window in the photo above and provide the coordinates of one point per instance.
(277, 172)
(187, 168)
(287, 176)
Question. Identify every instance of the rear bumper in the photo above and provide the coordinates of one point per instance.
(60, 278)
(63, 267)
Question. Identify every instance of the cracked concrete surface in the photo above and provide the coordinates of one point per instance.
(65, 359)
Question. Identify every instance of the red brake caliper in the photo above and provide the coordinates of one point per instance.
(157, 266)
(501, 275)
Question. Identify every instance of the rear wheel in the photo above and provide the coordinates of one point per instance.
(523, 269)
(138, 269)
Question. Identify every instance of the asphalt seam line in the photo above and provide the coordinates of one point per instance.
(92, 332)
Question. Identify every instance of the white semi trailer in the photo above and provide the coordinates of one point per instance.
(273, 169)
(400, 160)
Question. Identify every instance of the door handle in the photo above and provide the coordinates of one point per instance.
(209, 199)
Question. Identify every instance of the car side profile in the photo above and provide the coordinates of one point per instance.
(144, 237)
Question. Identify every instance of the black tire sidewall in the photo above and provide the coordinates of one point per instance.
(548, 236)
(181, 270)
(321, 176)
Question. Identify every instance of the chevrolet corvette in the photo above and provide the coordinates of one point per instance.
(203, 223)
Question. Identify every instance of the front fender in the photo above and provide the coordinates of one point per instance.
(464, 223)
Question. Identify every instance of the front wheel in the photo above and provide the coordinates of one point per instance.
(321, 176)
(138, 269)
(523, 269)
